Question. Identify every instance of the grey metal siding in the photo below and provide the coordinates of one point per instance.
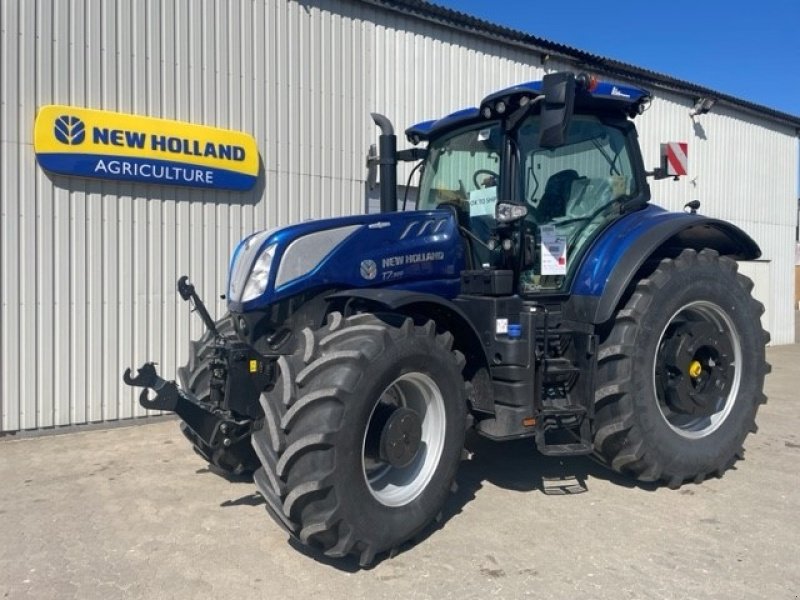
(87, 268)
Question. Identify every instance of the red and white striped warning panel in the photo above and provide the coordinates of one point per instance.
(676, 157)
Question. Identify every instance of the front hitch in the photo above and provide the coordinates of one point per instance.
(214, 426)
(238, 374)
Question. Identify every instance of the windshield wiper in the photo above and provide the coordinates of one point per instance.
(611, 161)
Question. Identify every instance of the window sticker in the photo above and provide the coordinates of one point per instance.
(554, 251)
(501, 326)
(482, 202)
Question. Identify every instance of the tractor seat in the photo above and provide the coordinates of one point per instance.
(557, 191)
(588, 195)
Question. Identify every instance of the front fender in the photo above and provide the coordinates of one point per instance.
(430, 305)
(618, 254)
(396, 300)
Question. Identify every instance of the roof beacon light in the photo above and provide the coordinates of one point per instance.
(500, 107)
(487, 112)
(587, 81)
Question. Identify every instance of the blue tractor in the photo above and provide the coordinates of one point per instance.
(533, 292)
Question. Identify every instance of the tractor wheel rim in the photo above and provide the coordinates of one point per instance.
(723, 370)
(397, 486)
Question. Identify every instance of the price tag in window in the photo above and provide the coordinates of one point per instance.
(554, 251)
(482, 201)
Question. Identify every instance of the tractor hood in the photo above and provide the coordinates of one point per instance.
(419, 250)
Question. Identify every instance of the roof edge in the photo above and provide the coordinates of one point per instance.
(600, 65)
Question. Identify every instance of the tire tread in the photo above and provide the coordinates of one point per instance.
(620, 442)
(304, 413)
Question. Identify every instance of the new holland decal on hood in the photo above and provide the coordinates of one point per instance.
(110, 145)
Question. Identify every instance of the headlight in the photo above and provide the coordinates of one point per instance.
(242, 264)
(257, 282)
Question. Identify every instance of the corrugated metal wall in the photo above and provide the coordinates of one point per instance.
(744, 170)
(87, 268)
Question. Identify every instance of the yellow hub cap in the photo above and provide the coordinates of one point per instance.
(695, 368)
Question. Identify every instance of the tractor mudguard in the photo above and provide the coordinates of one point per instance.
(393, 299)
(397, 300)
(618, 254)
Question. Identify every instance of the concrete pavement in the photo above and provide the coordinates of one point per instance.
(133, 513)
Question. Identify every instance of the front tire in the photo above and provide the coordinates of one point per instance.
(681, 373)
(363, 434)
(236, 462)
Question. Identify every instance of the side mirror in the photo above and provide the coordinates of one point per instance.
(557, 109)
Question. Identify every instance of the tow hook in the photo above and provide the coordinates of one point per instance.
(168, 394)
(214, 426)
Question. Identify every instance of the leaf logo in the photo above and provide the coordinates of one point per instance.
(69, 130)
(368, 269)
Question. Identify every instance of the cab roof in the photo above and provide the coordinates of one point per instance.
(605, 97)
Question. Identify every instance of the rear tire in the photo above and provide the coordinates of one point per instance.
(681, 373)
(234, 462)
(354, 393)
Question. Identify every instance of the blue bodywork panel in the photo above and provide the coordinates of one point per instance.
(603, 90)
(615, 257)
(431, 129)
(623, 93)
(613, 243)
(422, 251)
(604, 96)
(654, 225)
(419, 250)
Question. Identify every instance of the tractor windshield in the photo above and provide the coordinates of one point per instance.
(576, 179)
(571, 192)
(463, 171)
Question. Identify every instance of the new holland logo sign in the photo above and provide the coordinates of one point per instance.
(69, 130)
(98, 143)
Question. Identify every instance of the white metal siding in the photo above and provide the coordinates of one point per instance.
(743, 170)
(88, 268)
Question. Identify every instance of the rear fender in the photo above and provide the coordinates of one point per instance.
(652, 233)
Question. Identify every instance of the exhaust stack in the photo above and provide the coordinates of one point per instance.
(387, 159)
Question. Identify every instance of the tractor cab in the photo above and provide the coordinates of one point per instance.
(533, 181)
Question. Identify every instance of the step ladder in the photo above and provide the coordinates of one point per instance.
(564, 429)
(571, 425)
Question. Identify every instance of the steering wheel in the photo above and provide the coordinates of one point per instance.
(457, 205)
(478, 184)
